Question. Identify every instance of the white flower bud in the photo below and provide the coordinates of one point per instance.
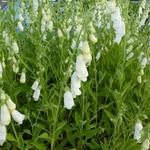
(10, 104)
(5, 117)
(15, 68)
(93, 38)
(17, 116)
(20, 26)
(60, 34)
(23, 77)
(146, 144)
(35, 85)
(50, 25)
(84, 47)
(98, 55)
(21, 18)
(68, 100)
(144, 62)
(15, 47)
(3, 133)
(36, 94)
(139, 79)
(35, 5)
(75, 85)
(138, 130)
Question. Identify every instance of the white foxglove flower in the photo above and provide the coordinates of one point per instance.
(138, 130)
(93, 38)
(35, 85)
(60, 34)
(98, 55)
(118, 25)
(17, 116)
(84, 46)
(10, 104)
(68, 100)
(23, 77)
(146, 144)
(20, 26)
(75, 85)
(36, 94)
(5, 117)
(3, 133)
(35, 5)
(81, 68)
(15, 47)
(1, 70)
(139, 79)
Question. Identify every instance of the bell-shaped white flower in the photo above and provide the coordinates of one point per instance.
(10, 104)
(20, 26)
(75, 85)
(3, 133)
(138, 130)
(35, 85)
(17, 116)
(68, 100)
(93, 38)
(81, 68)
(15, 47)
(23, 77)
(36, 94)
(5, 117)
(84, 47)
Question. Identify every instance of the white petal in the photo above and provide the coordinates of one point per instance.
(17, 116)
(10, 104)
(93, 38)
(81, 68)
(23, 77)
(36, 94)
(5, 117)
(138, 130)
(3, 133)
(75, 85)
(20, 26)
(68, 100)
(35, 85)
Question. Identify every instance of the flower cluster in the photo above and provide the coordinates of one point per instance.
(7, 109)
